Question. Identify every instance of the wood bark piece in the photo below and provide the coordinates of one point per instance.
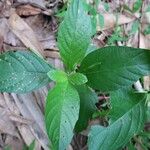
(21, 29)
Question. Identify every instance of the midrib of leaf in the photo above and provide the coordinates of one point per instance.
(118, 67)
(106, 71)
(61, 113)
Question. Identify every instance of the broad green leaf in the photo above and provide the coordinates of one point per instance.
(57, 75)
(128, 98)
(61, 114)
(113, 68)
(22, 71)
(119, 133)
(88, 98)
(77, 78)
(74, 35)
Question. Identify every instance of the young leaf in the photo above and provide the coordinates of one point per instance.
(61, 114)
(57, 75)
(74, 35)
(22, 71)
(112, 68)
(121, 131)
(88, 98)
(77, 78)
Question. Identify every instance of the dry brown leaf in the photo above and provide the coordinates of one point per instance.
(52, 54)
(1, 42)
(14, 143)
(38, 3)
(144, 43)
(28, 136)
(27, 10)
(21, 29)
(6, 125)
(146, 18)
(110, 21)
(29, 109)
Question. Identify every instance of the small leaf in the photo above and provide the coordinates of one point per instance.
(147, 30)
(137, 5)
(57, 75)
(22, 72)
(88, 98)
(74, 35)
(61, 114)
(119, 133)
(135, 27)
(101, 21)
(32, 145)
(77, 78)
(130, 146)
(106, 6)
(112, 68)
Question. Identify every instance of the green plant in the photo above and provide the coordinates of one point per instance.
(71, 103)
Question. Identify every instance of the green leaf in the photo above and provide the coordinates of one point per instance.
(93, 24)
(113, 68)
(74, 35)
(101, 20)
(91, 48)
(22, 71)
(106, 6)
(77, 78)
(137, 5)
(61, 114)
(57, 75)
(128, 98)
(147, 30)
(32, 145)
(88, 98)
(119, 133)
(130, 146)
(135, 27)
